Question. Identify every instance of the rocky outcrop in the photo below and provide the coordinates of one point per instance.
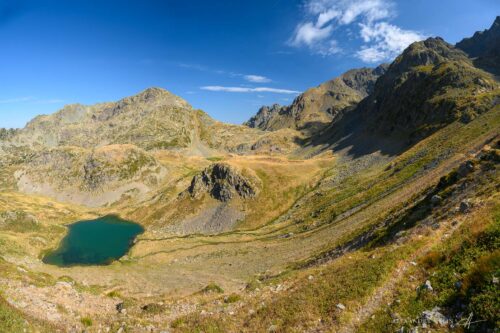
(315, 108)
(223, 183)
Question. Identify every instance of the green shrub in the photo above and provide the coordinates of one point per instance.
(233, 298)
(86, 321)
(212, 288)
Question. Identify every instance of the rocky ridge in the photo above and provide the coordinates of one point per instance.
(485, 47)
(315, 108)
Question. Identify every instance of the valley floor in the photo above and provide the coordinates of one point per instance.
(331, 244)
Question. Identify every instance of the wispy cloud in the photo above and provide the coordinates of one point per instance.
(381, 40)
(248, 77)
(16, 100)
(249, 90)
(49, 101)
(31, 100)
(256, 78)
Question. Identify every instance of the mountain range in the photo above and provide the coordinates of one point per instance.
(369, 204)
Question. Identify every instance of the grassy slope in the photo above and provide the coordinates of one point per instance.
(310, 296)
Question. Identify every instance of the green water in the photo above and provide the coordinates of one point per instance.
(94, 242)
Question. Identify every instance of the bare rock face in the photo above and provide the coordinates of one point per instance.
(223, 183)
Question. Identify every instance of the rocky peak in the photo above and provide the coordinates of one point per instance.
(222, 182)
(431, 51)
(263, 115)
(485, 47)
(155, 96)
(482, 41)
(362, 79)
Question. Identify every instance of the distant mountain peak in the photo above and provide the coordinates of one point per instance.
(431, 51)
(154, 92)
(315, 108)
(157, 96)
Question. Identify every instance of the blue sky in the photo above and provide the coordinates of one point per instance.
(226, 57)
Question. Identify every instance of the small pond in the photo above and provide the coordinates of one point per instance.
(94, 242)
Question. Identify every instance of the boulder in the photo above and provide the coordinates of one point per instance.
(427, 286)
(465, 206)
(433, 318)
(465, 168)
(436, 199)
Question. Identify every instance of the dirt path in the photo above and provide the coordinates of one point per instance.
(385, 292)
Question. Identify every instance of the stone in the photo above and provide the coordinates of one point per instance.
(120, 307)
(273, 328)
(427, 286)
(436, 199)
(341, 306)
(434, 317)
(465, 206)
(465, 168)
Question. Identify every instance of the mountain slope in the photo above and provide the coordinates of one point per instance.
(154, 119)
(430, 85)
(316, 107)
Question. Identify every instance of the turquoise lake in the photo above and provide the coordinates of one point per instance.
(95, 242)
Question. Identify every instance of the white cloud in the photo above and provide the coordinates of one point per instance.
(309, 34)
(381, 39)
(327, 16)
(249, 90)
(256, 78)
(385, 41)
